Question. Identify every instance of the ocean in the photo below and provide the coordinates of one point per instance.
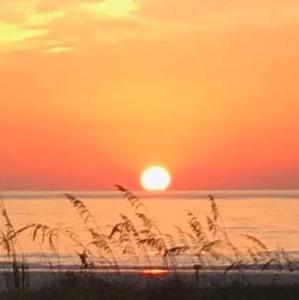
(270, 216)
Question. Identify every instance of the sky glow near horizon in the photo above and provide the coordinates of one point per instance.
(92, 92)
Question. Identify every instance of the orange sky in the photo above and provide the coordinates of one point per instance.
(94, 91)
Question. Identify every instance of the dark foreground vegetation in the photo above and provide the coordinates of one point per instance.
(90, 287)
(139, 239)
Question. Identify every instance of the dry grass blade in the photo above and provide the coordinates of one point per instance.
(267, 264)
(212, 226)
(44, 232)
(80, 206)
(83, 211)
(116, 229)
(100, 244)
(182, 236)
(232, 266)
(155, 243)
(8, 224)
(169, 239)
(9, 239)
(132, 198)
(176, 250)
(5, 243)
(285, 256)
(233, 248)
(287, 259)
(210, 245)
(253, 255)
(197, 228)
(215, 211)
(129, 226)
(256, 241)
(147, 222)
(100, 240)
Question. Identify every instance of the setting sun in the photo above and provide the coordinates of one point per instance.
(152, 144)
(155, 178)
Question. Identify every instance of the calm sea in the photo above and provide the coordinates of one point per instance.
(271, 216)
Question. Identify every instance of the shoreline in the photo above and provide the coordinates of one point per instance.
(261, 267)
(205, 278)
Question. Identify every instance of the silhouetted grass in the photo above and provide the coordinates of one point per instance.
(15, 270)
(139, 238)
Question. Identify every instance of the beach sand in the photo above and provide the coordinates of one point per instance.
(40, 278)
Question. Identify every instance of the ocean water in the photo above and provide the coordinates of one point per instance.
(271, 216)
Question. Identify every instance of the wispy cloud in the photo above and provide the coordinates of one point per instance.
(12, 33)
(35, 24)
(111, 8)
(43, 19)
(57, 49)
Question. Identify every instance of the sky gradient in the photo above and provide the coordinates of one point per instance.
(92, 92)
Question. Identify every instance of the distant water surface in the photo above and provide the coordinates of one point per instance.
(271, 216)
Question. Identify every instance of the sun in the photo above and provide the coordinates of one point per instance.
(155, 178)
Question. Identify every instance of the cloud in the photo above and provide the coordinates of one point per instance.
(62, 21)
(23, 26)
(52, 26)
(10, 33)
(111, 8)
(40, 19)
(57, 49)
